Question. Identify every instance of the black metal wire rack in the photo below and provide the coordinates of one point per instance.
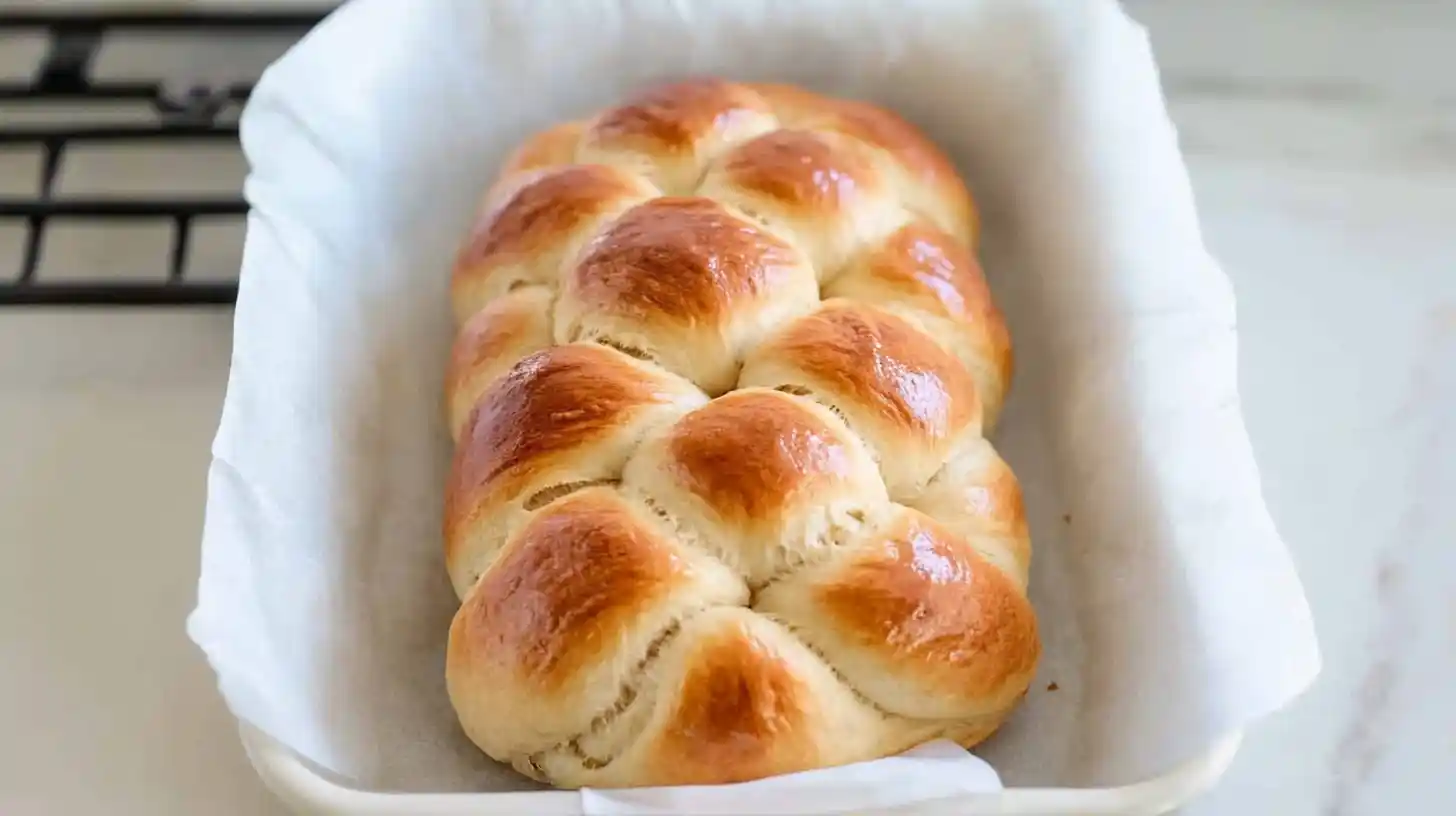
(64, 75)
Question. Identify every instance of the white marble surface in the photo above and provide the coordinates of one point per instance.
(1322, 140)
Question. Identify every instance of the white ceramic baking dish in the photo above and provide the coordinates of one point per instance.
(309, 792)
(322, 112)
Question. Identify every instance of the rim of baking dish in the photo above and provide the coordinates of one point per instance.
(306, 791)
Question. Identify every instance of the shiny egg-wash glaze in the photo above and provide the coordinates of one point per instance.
(721, 506)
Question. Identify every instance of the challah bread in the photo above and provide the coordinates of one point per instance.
(721, 506)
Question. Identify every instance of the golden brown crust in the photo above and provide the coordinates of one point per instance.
(903, 393)
(802, 169)
(922, 264)
(995, 499)
(741, 713)
(675, 116)
(876, 359)
(823, 192)
(686, 283)
(936, 607)
(919, 156)
(574, 576)
(524, 239)
(763, 480)
(549, 148)
(927, 273)
(918, 621)
(537, 422)
(490, 343)
(931, 183)
(670, 132)
(679, 260)
(553, 147)
(823, 564)
(559, 625)
(736, 697)
(549, 403)
(978, 497)
(540, 211)
(714, 453)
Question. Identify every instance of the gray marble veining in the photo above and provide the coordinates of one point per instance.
(1322, 141)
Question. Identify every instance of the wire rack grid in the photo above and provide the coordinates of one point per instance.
(197, 113)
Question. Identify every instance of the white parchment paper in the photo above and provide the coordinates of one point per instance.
(1170, 609)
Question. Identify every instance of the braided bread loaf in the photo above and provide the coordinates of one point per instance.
(721, 507)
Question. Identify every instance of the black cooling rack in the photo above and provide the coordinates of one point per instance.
(200, 112)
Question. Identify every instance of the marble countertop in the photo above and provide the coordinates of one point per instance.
(1321, 136)
(1322, 141)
